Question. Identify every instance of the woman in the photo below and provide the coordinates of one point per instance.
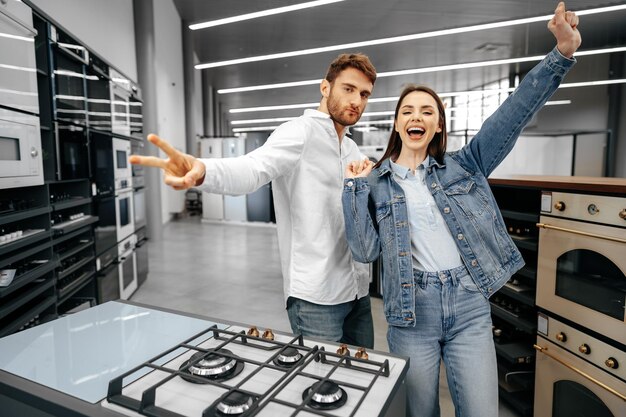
(444, 246)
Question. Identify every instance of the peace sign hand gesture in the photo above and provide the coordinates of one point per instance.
(181, 170)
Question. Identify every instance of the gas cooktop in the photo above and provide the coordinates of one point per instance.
(237, 371)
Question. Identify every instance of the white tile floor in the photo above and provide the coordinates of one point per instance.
(232, 271)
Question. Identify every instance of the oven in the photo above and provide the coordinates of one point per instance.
(124, 213)
(103, 175)
(122, 171)
(98, 94)
(72, 152)
(69, 61)
(577, 374)
(581, 273)
(18, 71)
(106, 228)
(127, 267)
(20, 150)
(108, 276)
(120, 103)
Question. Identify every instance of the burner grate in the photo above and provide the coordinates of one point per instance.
(270, 396)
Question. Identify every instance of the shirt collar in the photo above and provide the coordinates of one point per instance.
(402, 171)
(321, 115)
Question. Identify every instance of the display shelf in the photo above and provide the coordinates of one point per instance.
(27, 239)
(520, 215)
(526, 297)
(73, 202)
(27, 278)
(72, 225)
(75, 267)
(517, 321)
(25, 214)
(516, 353)
(24, 317)
(74, 250)
(24, 254)
(69, 290)
(26, 295)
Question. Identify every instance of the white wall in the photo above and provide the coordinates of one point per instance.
(106, 27)
(170, 94)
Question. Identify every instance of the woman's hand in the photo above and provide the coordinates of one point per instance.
(357, 169)
(564, 26)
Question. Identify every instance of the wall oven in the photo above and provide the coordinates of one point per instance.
(72, 152)
(581, 274)
(576, 374)
(122, 169)
(20, 150)
(124, 213)
(18, 71)
(127, 267)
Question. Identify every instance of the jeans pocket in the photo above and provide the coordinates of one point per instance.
(467, 283)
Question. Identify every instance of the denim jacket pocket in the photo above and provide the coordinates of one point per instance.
(468, 197)
(384, 219)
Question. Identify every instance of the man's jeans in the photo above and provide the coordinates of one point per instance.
(453, 322)
(349, 322)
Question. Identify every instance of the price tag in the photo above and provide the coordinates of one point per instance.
(546, 202)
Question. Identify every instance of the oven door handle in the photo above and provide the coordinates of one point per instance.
(578, 232)
(544, 350)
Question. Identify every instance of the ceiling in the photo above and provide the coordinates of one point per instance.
(360, 20)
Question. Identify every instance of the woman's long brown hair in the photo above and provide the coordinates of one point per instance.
(437, 147)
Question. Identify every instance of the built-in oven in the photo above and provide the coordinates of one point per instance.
(581, 273)
(139, 196)
(577, 374)
(20, 150)
(122, 171)
(69, 61)
(106, 229)
(124, 213)
(120, 103)
(18, 71)
(72, 151)
(98, 94)
(103, 173)
(108, 276)
(127, 267)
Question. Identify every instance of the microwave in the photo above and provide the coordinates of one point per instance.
(122, 171)
(20, 150)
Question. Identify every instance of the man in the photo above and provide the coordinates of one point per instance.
(326, 291)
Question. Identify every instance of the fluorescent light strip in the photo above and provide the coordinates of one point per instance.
(422, 70)
(19, 38)
(457, 93)
(415, 36)
(298, 106)
(263, 13)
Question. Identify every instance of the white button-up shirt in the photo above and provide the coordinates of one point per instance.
(306, 164)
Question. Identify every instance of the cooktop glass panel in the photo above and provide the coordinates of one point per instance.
(80, 353)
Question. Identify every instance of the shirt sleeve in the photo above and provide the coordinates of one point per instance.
(245, 174)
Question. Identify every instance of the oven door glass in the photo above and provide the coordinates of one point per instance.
(127, 269)
(72, 152)
(571, 398)
(69, 86)
(18, 76)
(592, 280)
(106, 228)
(124, 210)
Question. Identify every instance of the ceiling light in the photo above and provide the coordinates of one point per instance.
(262, 13)
(415, 36)
(423, 70)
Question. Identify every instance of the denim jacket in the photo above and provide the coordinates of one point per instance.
(375, 208)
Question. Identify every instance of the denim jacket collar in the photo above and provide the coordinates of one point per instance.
(385, 166)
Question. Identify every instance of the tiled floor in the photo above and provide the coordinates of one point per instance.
(232, 272)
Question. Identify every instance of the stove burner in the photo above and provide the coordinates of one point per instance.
(328, 395)
(288, 358)
(213, 366)
(234, 403)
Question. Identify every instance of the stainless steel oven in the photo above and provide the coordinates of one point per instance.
(127, 267)
(122, 171)
(20, 150)
(72, 152)
(581, 273)
(577, 374)
(18, 71)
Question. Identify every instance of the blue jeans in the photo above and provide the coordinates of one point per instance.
(349, 322)
(453, 322)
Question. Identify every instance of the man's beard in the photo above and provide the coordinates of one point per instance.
(336, 113)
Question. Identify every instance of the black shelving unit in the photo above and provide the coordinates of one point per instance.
(513, 308)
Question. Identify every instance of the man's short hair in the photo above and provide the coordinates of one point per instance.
(357, 61)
